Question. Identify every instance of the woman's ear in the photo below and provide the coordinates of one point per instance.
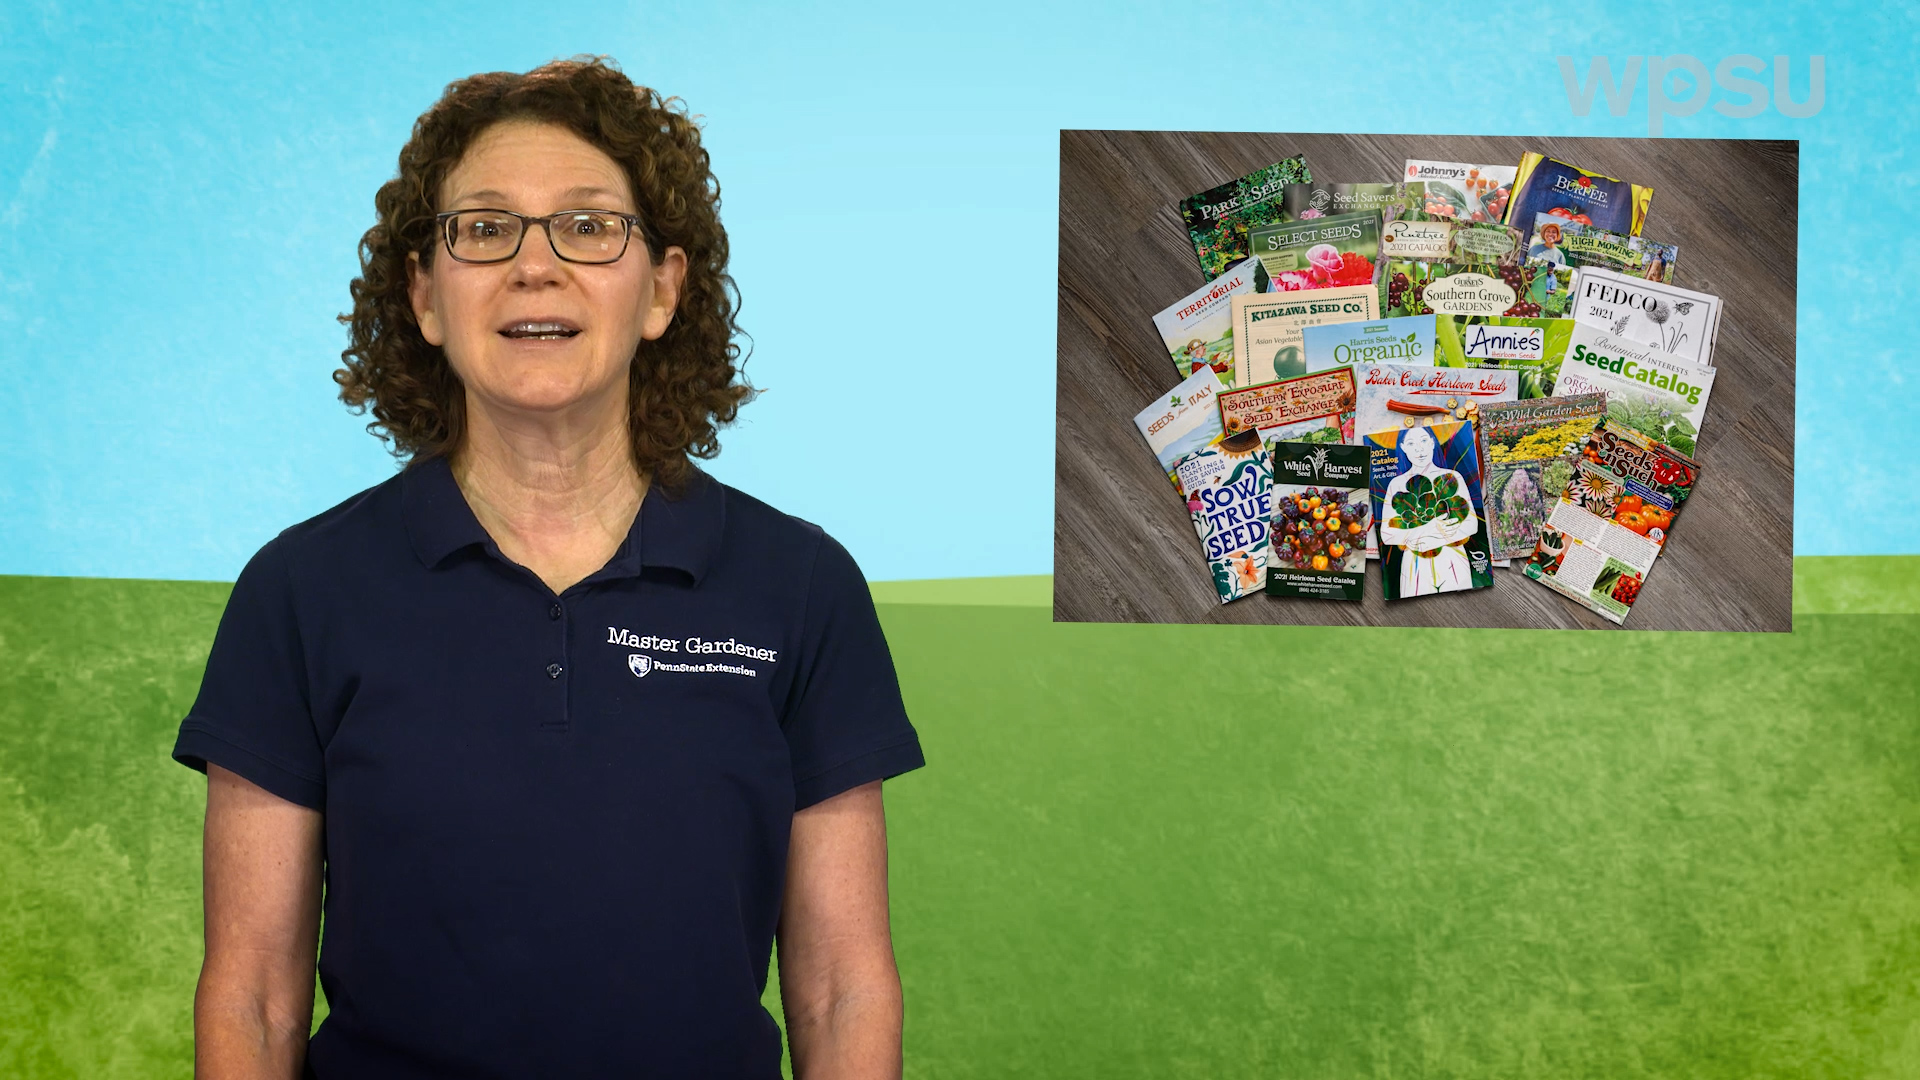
(669, 276)
(420, 293)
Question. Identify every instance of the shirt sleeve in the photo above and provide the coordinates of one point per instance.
(252, 715)
(845, 722)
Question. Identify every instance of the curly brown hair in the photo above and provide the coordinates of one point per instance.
(682, 388)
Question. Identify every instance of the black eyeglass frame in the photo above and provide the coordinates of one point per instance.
(444, 219)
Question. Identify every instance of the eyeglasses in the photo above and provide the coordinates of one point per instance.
(578, 236)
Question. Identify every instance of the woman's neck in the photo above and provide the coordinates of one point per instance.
(557, 498)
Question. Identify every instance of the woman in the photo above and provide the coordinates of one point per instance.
(1432, 559)
(567, 728)
(1548, 249)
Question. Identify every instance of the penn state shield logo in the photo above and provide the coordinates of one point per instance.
(639, 664)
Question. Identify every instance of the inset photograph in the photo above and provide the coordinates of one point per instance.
(1425, 380)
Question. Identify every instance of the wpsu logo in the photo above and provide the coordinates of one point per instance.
(1748, 96)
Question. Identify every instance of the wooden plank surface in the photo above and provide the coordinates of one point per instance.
(1124, 548)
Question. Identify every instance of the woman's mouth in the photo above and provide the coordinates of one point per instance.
(539, 330)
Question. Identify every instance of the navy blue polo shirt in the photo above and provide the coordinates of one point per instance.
(556, 826)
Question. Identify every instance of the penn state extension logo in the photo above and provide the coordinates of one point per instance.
(639, 664)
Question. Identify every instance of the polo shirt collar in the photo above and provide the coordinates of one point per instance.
(679, 531)
(439, 521)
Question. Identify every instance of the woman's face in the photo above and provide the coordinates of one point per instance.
(1418, 444)
(479, 314)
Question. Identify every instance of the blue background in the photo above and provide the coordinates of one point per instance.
(181, 192)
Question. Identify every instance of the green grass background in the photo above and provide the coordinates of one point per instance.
(1185, 851)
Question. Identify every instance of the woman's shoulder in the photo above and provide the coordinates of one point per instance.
(757, 530)
(359, 509)
(348, 531)
(758, 516)
(754, 523)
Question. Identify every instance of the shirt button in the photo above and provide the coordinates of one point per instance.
(553, 612)
(554, 670)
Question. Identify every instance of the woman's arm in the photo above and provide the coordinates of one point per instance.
(838, 982)
(254, 1005)
(1389, 535)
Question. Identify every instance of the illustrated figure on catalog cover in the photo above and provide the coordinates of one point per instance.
(1434, 559)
